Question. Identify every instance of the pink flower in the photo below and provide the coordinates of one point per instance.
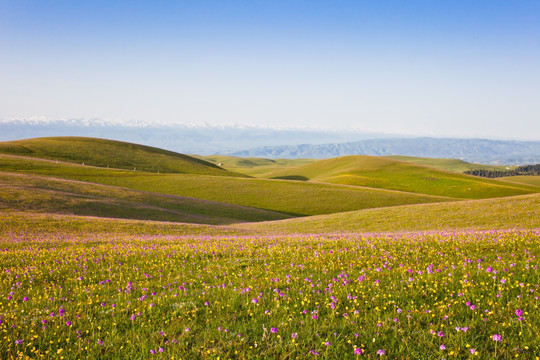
(519, 312)
(497, 337)
(440, 334)
(442, 347)
(381, 352)
(273, 330)
(358, 351)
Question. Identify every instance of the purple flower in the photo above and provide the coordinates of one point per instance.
(18, 342)
(440, 334)
(381, 352)
(25, 298)
(519, 312)
(472, 351)
(68, 323)
(161, 349)
(358, 351)
(152, 351)
(273, 330)
(442, 347)
(328, 343)
(187, 329)
(497, 337)
(254, 300)
(313, 352)
(294, 335)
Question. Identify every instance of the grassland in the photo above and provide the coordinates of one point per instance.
(288, 197)
(34, 226)
(523, 179)
(454, 165)
(519, 212)
(503, 213)
(398, 296)
(406, 275)
(383, 173)
(256, 167)
(114, 154)
(45, 194)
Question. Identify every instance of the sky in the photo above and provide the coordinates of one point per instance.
(437, 68)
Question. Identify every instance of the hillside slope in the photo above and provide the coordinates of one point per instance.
(113, 154)
(291, 197)
(455, 165)
(385, 173)
(522, 179)
(502, 213)
(257, 167)
(36, 193)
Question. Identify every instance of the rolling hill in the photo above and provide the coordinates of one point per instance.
(113, 154)
(257, 167)
(455, 165)
(522, 179)
(288, 197)
(354, 192)
(503, 213)
(44, 194)
(384, 173)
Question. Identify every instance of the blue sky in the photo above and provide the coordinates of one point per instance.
(442, 68)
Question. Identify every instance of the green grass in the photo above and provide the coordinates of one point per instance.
(50, 195)
(257, 167)
(34, 226)
(114, 154)
(384, 173)
(411, 295)
(522, 179)
(455, 165)
(502, 213)
(290, 197)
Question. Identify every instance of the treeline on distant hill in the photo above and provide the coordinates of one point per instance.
(520, 170)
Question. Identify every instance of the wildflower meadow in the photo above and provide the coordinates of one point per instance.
(437, 295)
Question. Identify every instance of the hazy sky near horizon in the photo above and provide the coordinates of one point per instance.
(442, 68)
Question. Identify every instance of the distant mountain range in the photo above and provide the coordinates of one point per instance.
(269, 142)
(183, 138)
(502, 152)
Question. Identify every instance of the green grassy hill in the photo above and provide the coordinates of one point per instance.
(522, 179)
(502, 213)
(291, 197)
(35, 193)
(113, 154)
(455, 165)
(257, 167)
(520, 212)
(384, 173)
(36, 225)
